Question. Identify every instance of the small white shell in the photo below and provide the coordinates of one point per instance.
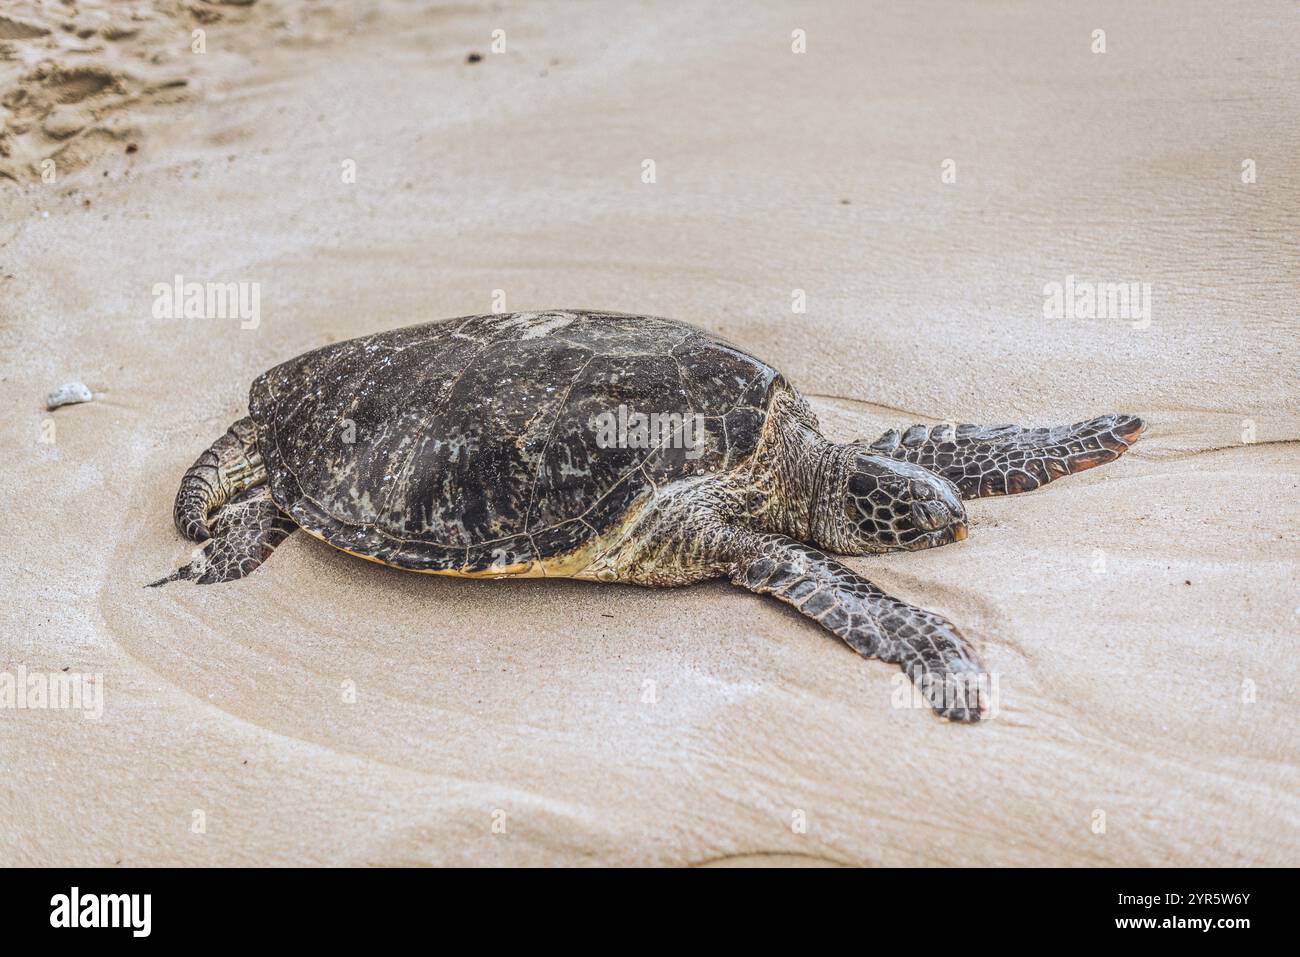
(69, 393)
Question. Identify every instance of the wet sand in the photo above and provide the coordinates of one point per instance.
(1142, 617)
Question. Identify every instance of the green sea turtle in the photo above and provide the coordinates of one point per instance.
(612, 448)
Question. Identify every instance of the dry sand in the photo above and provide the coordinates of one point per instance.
(1143, 617)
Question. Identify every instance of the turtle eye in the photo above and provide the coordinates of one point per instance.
(921, 492)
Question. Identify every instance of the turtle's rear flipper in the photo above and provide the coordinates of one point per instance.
(231, 465)
(1004, 459)
(244, 533)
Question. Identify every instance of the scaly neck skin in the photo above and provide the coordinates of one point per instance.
(802, 476)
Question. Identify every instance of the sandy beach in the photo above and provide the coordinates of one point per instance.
(915, 180)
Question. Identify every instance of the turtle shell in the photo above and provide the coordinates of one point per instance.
(498, 442)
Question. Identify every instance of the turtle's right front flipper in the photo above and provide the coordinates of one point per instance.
(926, 646)
(986, 460)
(244, 533)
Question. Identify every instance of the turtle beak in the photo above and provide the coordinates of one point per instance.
(1129, 428)
(956, 532)
(945, 523)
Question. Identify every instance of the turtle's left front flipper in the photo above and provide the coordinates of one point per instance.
(986, 460)
(244, 533)
(928, 647)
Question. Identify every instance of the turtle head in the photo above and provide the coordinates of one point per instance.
(870, 503)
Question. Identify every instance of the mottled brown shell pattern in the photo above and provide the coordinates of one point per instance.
(470, 443)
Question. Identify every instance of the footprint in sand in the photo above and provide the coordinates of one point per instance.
(80, 83)
(11, 29)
